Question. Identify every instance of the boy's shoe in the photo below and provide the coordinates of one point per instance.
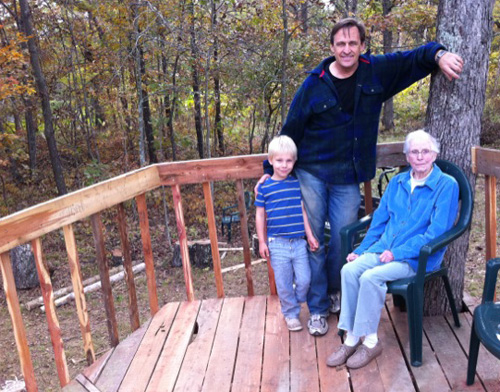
(293, 324)
(335, 302)
(317, 325)
(363, 356)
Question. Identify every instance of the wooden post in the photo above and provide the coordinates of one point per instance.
(181, 229)
(214, 243)
(81, 305)
(490, 209)
(127, 267)
(109, 305)
(244, 236)
(368, 197)
(272, 281)
(50, 313)
(9, 287)
(142, 208)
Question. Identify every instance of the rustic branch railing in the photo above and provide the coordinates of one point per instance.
(31, 224)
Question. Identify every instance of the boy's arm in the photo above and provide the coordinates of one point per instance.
(311, 239)
(260, 225)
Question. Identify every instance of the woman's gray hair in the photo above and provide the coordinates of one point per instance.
(421, 135)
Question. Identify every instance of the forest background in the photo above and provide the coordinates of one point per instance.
(123, 84)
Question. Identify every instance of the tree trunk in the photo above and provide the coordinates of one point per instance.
(284, 58)
(454, 114)
(44, 96)
(388, 113)
(218, 129)
(196, 82)
(31, 130)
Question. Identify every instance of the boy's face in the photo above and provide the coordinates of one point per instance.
(282, 165)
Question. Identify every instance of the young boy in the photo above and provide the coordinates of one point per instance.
(280, 211)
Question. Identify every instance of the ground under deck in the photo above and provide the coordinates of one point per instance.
(242, 344)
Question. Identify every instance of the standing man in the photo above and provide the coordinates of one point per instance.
(334, 120)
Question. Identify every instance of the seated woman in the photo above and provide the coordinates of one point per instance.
(418, 205)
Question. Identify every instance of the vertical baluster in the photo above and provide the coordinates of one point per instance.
(212, 231)
(183, 245)
(244, 236)
(368, 197)
(109, 305)
(127, 265)
(142, 208)
(50, 313)
(9, 287)
(490, 211)
(81, 304)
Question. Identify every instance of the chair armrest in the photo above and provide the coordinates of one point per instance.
(490, 280)
(433, 246)
(348, 232)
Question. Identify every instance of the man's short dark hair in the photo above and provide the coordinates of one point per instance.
(347, 23)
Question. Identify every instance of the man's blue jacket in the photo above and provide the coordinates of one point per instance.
(337, 147)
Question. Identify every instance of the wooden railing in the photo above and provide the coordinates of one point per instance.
(61, 213)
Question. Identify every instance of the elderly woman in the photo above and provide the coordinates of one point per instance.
(418, 205)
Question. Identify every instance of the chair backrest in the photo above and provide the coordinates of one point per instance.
(465, 195)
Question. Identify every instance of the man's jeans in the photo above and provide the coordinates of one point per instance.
(339, 204)
(364, 286)
(290, 263)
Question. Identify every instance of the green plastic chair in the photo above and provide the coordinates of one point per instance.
(412, 290)
(486, 321)
(231, 214)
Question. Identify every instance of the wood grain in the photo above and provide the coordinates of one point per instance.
(80, 302)
(142, 209)
(9, 287)
(50, 313)
(247, 257)
(214, 243)
(127, 266)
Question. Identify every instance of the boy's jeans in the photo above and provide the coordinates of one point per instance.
(290, 263)
(339, 205)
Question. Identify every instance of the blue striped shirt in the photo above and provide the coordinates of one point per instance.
(282, 202)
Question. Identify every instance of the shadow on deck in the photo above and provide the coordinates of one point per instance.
(242, 344)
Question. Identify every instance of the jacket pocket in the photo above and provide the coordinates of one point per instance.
(323, 106)
(371, 99)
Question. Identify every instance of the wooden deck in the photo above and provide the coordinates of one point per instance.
(242, 344)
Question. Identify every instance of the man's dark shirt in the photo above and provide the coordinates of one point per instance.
(345, 89)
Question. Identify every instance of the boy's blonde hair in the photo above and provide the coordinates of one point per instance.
(282, 145)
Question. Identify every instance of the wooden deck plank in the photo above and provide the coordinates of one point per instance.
(394, 373)
(144, 362)
(172, 355)
(74, 386)
(429, 377)
(276, 363)
(94, 371)
(488, 366)
(331, 379)
(85, 382)
(195, 362)
(303, 360)
(220, 367)
(118, 363)
(247, 371)
(449, 353)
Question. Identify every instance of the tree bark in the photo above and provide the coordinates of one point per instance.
(218, 127)
(388, 112)
(454, 114)
(44, 96)
(284, 58)
(196, 82)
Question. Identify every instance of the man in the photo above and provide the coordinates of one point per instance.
(333, 120)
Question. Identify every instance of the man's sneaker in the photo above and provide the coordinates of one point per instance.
(317, 325)
(293, 324)
(335, 302)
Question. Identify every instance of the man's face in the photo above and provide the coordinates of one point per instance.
(347, 47)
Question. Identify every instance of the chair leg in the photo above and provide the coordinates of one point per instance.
(473, 354)
(415, 310)
(229, 232)
(453, 307)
